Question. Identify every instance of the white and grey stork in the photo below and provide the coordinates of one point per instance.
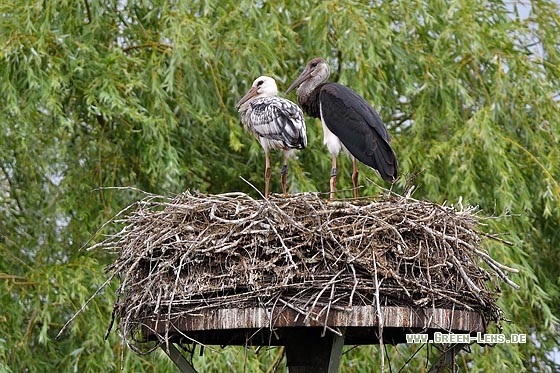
(349, 123)
(275, 122)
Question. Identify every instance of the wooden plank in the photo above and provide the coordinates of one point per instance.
(260, 326)
(358, 316)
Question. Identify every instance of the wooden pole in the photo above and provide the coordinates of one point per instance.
(179, 360)
(309, 352)
(447, 359)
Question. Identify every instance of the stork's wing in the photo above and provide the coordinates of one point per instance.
(359, 128)
(279, 119)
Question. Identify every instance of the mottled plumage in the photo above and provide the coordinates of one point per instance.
(275, 122)
(349, 123)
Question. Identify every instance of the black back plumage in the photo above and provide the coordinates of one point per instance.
(358, 126)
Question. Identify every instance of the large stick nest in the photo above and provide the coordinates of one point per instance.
(193, 252)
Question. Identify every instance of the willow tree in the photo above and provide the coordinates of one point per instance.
(102, 94)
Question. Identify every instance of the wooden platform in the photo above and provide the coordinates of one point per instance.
(272, 327)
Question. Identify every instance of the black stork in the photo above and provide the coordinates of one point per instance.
(349, 123)
(275, 122)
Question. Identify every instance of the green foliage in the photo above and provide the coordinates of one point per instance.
(111, 93)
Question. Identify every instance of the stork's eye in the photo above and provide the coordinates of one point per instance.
(314, 64)
(260, 82)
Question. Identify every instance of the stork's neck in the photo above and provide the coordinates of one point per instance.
(308, 98)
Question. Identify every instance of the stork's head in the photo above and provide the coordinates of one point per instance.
(262, 86)
(316, 72)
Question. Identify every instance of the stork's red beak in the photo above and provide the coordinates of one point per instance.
(306, 74)
(252, 93)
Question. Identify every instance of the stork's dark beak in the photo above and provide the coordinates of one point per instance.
(306, 74)
(252, 93)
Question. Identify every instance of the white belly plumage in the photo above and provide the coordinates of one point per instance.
(332, 142)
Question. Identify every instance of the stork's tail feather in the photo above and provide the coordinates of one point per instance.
(386, 163)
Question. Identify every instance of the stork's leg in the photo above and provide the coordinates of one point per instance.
(267, 176)
(334, 172)
(355, 176)
(284, 173)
